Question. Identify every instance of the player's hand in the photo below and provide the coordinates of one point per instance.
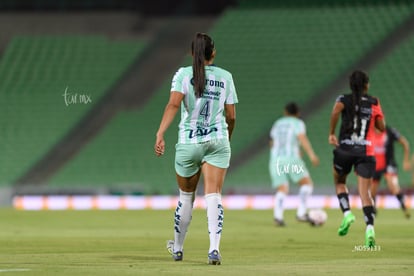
(406, 165)
(314, 159)
(159, 145)
(333, 140)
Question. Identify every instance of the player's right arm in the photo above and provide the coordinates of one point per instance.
(169, 113)
(336, 112)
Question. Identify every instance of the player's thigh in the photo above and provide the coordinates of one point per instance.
(342, 162)
(391, 169)
(278, 175)
(377, 176)
(279, 181)
(365, 166)
(298, 171)
(187, 159)
(217, 153)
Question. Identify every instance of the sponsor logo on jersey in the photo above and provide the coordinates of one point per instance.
(214, 83)
(199, 132)
(356, 142)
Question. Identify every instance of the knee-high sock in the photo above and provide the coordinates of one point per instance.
(182, 219)
(369, 215)
(400, 198)
(278, 207)
(215, 216)
(343, 199)
(304, 192)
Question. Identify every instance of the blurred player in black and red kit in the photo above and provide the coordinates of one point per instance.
(386, 164)
(361, 114)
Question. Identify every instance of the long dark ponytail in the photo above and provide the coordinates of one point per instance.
(358, 82)
(202, 49)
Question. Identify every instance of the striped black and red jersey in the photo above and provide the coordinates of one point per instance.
(358, 124)
(384, 148)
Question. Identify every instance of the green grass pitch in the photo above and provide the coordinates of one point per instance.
(133, 243)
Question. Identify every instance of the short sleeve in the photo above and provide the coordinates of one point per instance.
(340, 99)
(377, 111)
(232, 95)
(177, 81)
(395, 134)
(301, 128)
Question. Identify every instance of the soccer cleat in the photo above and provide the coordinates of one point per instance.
(305, 218)
(346, 223)
(370, 238)
(170, 246)
(177, 256)
(407, 213)
(280, 222)
(214, 258)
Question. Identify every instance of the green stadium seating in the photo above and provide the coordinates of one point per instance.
(121, 158)
(35, 71)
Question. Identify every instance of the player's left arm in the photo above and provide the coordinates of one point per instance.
(307, 146)
(406, 148)
(378, 116)
(230, 107)
(230, 113)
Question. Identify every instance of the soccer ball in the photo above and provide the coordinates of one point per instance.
(317, 217)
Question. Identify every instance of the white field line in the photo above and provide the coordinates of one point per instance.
(14, 270)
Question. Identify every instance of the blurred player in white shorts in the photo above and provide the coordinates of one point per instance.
(287, 135)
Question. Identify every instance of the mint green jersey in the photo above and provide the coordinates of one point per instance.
(203, 119)
(284, 134)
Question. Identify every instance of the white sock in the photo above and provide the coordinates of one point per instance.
(278, 206)
(369, 227)
(182, 219)
(304, 192)
(215, 216)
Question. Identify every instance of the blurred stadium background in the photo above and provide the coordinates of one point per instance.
(83, 85)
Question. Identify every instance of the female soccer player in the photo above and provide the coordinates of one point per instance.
(361, 114)
(387, 165)
(207, 97)
(286, 136)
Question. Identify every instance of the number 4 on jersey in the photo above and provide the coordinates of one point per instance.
(205, 111)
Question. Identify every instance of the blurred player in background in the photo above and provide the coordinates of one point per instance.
(386, 164)
(286, 136)
(207, 97)
(361, 114)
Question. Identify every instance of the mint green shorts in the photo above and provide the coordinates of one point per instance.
(190, 157)
(285, 169)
